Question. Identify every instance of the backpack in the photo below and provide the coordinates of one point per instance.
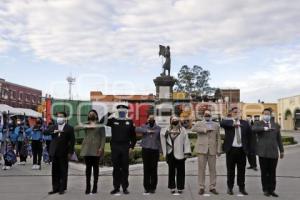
(10, 157)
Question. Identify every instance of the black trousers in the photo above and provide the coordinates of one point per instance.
(150, 161)
(120, 160)
(176, 169)
(37, 150)
(236, 157)
(59, 173)
(252, 160)
(91, 162)
(21, 150)
(268, 173)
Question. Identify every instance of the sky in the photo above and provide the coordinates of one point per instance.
(112, 45)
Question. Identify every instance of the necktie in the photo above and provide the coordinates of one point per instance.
(238, 135)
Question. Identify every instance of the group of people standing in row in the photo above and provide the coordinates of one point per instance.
(242, 139)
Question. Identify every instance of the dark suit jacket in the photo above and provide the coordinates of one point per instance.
(62, 144)
(230, 133)
(268, 142)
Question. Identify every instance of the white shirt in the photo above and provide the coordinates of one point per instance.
(235, 144)
(61, 127)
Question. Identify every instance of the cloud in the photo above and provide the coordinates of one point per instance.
(77, 31)
(279, 80)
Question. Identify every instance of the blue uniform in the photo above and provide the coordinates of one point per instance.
(21, 133)
(12, 135)
(36, 134)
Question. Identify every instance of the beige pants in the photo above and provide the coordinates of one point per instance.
(203, 159)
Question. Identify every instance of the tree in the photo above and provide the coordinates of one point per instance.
(193, 81)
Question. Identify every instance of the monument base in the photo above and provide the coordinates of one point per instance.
(164, 88)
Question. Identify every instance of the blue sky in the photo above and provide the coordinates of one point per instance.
(112, 46)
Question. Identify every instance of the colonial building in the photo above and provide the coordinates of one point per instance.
(254, 110)
(19, 96)
(289, 112)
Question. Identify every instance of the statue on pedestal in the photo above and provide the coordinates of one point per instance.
(165, 52)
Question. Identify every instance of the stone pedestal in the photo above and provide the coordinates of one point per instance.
(164, 88)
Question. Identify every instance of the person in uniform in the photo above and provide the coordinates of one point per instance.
(123, 139)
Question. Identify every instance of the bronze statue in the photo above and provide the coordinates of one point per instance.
(165, 52)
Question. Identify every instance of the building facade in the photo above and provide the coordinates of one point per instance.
(289, 112)
(19, 96)
(254, 110)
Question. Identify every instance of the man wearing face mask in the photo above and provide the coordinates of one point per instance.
(150, 153)
(268, 145)
(61, 149)
(236, 146)
(208, 145)
(123, 140)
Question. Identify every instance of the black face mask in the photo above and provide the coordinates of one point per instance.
(92, 118)
(151, 123)
(175, 123)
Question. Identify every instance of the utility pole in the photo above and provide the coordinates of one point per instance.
(71, 81)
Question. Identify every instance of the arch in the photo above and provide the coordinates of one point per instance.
(287, 113)
(297, 118)
(288, 120)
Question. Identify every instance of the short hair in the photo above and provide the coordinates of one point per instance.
(267, 109)
(233, 108)
(62, 112)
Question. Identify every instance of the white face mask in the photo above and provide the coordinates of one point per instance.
(60, 120)
(267, 118)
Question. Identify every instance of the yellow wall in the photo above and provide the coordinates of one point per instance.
(288, 105)
(254, 109)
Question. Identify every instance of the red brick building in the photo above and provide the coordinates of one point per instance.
(19, 96)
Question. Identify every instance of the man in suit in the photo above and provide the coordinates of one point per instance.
(268, 145)
(208, 145)
(251, 154)
(61, 149)
(236, 146)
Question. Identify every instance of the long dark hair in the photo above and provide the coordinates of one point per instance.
(94, 111)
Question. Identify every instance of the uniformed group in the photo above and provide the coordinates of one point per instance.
(19, 139)
(243, 138)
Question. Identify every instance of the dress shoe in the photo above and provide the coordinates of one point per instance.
(125, 191)
(273, 194)
(180, 191)
(88, 189)
(115, 191)
(243, 191)
(214, 191)
(152, 191)
(61, 192)
(94, 191)
(267, 194)
(173, 191)
(230, 192)
(52, 192)
(201, 192)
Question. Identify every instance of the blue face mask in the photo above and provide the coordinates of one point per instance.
(267, 118)
(122, 114)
